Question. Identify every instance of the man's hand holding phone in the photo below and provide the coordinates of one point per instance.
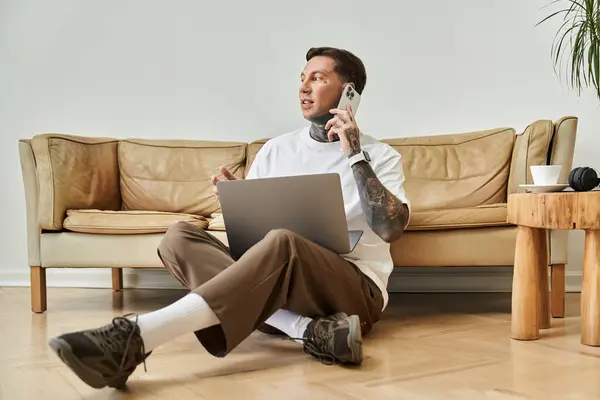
(225, 175)
(344, 127)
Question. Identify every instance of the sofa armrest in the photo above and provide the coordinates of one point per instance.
(531, 148)
(563, 146)
(31, 201)
(74, 172)
(545, 142)
(561, 153)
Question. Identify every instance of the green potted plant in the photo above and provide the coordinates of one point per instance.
(579, 39)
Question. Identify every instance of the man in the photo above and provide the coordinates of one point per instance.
(284, 283)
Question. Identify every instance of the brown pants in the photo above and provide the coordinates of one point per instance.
(284, 270)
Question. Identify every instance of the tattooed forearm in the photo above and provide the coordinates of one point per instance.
(352, 135)
(385, 213)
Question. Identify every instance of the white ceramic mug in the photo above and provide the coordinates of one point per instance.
(545, 174)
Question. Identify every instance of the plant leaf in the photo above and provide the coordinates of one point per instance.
(551, 16)
(578, 35)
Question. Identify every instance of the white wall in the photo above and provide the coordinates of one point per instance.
(230, 70)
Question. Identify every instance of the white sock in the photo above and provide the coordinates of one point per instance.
(291, 324)
(186, 315)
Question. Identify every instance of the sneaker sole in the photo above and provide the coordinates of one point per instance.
(354, 338)
(90, 376)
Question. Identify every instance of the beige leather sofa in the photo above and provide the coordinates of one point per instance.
(105, 203)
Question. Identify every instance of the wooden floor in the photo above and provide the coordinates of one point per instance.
(451, 346)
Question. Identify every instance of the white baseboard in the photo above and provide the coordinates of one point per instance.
(421, 279)
(94, 278)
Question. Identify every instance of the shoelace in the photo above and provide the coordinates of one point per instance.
(324, 358)
(129, 341)
(313, 344)
(106, 333)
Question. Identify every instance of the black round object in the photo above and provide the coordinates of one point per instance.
(583, 179)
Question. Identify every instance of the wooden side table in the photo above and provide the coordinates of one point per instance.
(534, 213)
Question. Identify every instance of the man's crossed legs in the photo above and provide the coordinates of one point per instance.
(285, 281)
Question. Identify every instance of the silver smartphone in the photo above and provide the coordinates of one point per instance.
(349, 96)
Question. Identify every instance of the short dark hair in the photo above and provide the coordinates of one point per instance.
(347, 65)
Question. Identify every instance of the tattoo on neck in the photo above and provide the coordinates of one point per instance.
(318, 133)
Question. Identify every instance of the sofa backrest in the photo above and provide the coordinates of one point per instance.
(443, 171)
(451, 170)
(253, 149)
(476, 168)
(456, 170)
(74, 172)
(174, 175)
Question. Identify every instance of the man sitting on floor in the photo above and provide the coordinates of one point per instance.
(318, 298)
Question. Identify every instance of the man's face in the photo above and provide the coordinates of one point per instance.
(321, 87)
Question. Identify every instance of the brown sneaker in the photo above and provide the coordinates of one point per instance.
(105, 356)
(333, 339)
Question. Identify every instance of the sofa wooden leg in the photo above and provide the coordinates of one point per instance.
(38, 289)
(558, 290)
(117, 279)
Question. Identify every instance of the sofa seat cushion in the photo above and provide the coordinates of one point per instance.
(87, 250)
(466, 217)
(216, 222)
(471, 247)
(127, 222)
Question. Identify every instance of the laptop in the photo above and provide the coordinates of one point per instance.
(310, 205)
